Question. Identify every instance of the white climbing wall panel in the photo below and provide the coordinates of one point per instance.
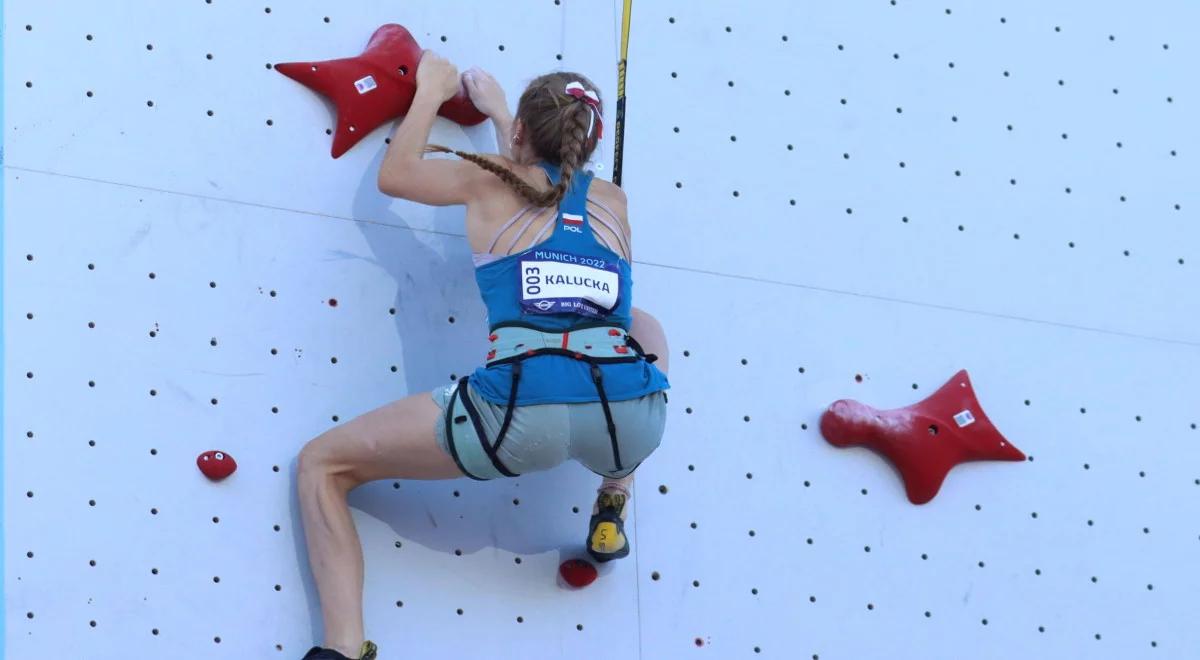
(829, 200)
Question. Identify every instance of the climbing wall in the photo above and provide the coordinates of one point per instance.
(829, 200)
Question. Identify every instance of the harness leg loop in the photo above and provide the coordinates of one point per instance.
(477, 422)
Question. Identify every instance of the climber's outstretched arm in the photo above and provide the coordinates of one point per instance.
(405, 172)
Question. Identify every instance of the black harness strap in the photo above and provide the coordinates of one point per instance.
(612, 428)
(565, 352)
(512, 399)
(637, 348)
(450, 430)
(478, 423)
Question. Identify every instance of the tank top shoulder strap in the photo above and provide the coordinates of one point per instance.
(553, 172)
(572, 210)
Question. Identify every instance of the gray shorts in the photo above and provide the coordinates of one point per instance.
(541, 436)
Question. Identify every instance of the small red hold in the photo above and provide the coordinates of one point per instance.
(621, 349)
(493, 337)
(491, 354)
(216, 465)
(578, 573)
(613, 332)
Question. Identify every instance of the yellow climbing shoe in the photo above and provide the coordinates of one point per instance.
(606, 535)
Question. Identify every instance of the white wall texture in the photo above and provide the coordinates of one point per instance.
(829, 200)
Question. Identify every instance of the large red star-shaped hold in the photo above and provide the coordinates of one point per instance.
(374, 87)
(925, 440)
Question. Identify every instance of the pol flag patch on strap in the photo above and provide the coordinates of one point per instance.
(573, 219)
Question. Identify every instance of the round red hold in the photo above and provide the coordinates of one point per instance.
(577, 572)
(216, 465)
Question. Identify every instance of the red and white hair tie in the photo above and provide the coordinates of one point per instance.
(589, 97)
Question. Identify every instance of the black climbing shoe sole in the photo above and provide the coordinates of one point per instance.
(367, 652)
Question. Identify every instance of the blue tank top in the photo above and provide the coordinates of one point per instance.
(571, 248)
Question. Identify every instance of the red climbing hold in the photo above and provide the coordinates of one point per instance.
(216, 465)
(925, 440)
(374, 87)
(577, 572)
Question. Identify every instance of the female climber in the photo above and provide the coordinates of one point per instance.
(566, 375)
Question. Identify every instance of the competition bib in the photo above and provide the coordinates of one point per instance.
(557, 282)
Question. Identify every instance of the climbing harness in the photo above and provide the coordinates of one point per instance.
(514, 342)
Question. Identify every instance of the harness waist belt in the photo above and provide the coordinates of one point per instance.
(598, 342)
(514, 342)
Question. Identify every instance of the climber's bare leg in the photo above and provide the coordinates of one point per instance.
(395, 441)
